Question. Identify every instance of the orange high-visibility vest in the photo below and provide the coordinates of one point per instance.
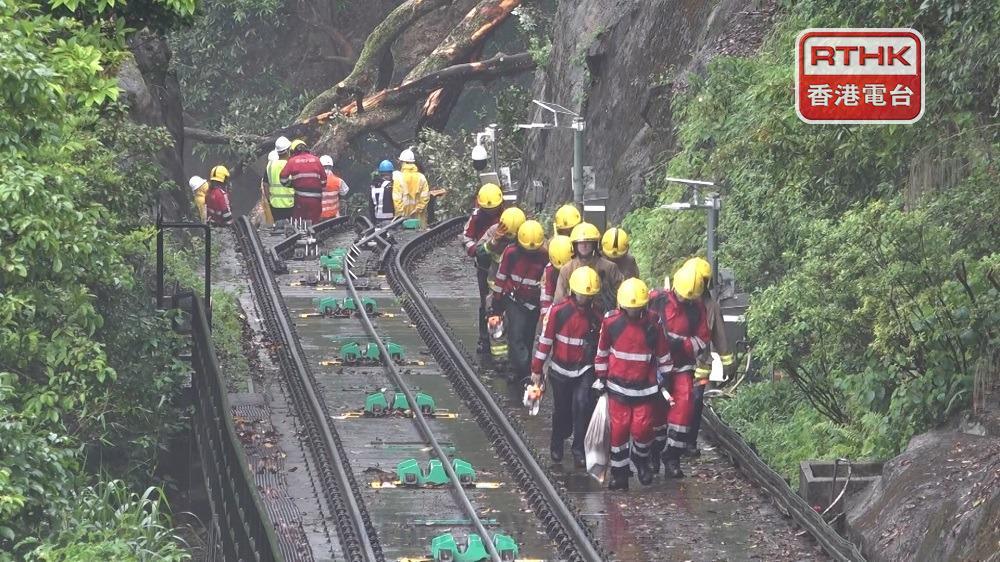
(331, 196)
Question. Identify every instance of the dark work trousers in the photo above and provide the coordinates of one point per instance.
(520, 329)
(281, 214)
(698, 404)
(484, 289)
(572, 406)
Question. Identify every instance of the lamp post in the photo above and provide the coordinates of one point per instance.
(578, 125)
(712, 204)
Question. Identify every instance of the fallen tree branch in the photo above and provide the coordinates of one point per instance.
(211, 137)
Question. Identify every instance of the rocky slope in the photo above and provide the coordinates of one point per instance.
(619, 62)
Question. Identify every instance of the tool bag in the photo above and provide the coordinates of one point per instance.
(597, 443)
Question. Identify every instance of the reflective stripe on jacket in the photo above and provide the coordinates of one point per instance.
(334, 188)
(520, 275)
(632, 354)
(217, 207)
(305, 173)
(281, 197)
(685, 323)
(565, 336)
(479, 222)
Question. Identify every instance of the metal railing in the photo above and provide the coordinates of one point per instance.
(244, 530)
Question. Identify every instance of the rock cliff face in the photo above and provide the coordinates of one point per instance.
(618, 62)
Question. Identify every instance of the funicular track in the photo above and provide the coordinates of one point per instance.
(560, 520)
(357, 537)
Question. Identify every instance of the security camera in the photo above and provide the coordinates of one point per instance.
(479, 158)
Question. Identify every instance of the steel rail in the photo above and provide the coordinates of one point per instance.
(560, 522)
(358, 538)
(419, 419)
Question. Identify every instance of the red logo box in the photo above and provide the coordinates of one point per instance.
(858, 75)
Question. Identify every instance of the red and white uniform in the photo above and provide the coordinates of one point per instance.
(307, 176)
(519, 275)
(631, 353)
(685, 325)
(549, 279)
(564, 338)
(479, 222)
(217, 210)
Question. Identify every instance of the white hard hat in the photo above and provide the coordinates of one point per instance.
(479, 152)
(326, 160)
(272, 156)
(195, 182)
(407, 156)
(282, 144)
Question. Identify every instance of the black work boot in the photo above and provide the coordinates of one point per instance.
(643, 471)
(579, 459)
(655, 450)
(556, 451)
(672, 463)
(619, 478)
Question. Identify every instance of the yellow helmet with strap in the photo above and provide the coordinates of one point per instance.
(614, 243)
(530, 235)
(511, 220)
(585, 232)
(688, 284)
(490, 196)
(633, 293)
(220, 174)
(567, 217)
(585, 281)
(560, 250)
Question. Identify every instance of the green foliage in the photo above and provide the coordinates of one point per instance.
(110, 522)
(87, 369)
(874, 283)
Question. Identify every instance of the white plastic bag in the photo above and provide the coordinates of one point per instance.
(597, 443)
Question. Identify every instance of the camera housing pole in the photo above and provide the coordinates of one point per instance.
(579, 125)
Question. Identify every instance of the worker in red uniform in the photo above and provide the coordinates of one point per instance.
(489, 205)
(305, 173)
(614, 246)
(632, 354)
(217, 200)
(719, 344)
(516, 293)
(560, 252)
(333, 189)
(569, 341)
(684, 323)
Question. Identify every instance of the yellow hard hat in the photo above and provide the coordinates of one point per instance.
(296, 144)
(614, 243)
(220, 174)
(688, 284)
(702, 267)
(531, 235)
(585, 232)
(585, 281)
(633, 293)
(567, 217)
(512, 219)
(560, 250)
(490, 196)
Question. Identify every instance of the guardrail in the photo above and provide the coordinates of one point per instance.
(245, 531)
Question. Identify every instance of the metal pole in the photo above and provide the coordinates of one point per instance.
(578, 126)
(208, 274)
(496, 164)
(713, 224)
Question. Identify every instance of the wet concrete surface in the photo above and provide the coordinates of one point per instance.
(713, 514)
(375, 445)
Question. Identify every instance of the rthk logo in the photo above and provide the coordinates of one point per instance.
(859, 76)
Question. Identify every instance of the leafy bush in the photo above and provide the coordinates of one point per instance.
(870, 251)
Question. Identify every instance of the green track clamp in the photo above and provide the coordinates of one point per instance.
(411, 224)
(354, 353)
(410, 474)
(444, 548)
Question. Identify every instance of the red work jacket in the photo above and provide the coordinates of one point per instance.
(549, 278)
(217, 208)
(685, 323)
(479, 222)
(569, 338)
(520, 275)
(630, 355)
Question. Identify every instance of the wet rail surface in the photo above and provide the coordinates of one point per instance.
(405, 519)
(712, 514)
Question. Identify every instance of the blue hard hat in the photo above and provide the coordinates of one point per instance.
(385, 166)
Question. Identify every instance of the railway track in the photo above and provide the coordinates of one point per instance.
(509, 500)
(357, 538)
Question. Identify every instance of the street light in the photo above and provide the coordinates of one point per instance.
(711, 203)
(578, 125)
